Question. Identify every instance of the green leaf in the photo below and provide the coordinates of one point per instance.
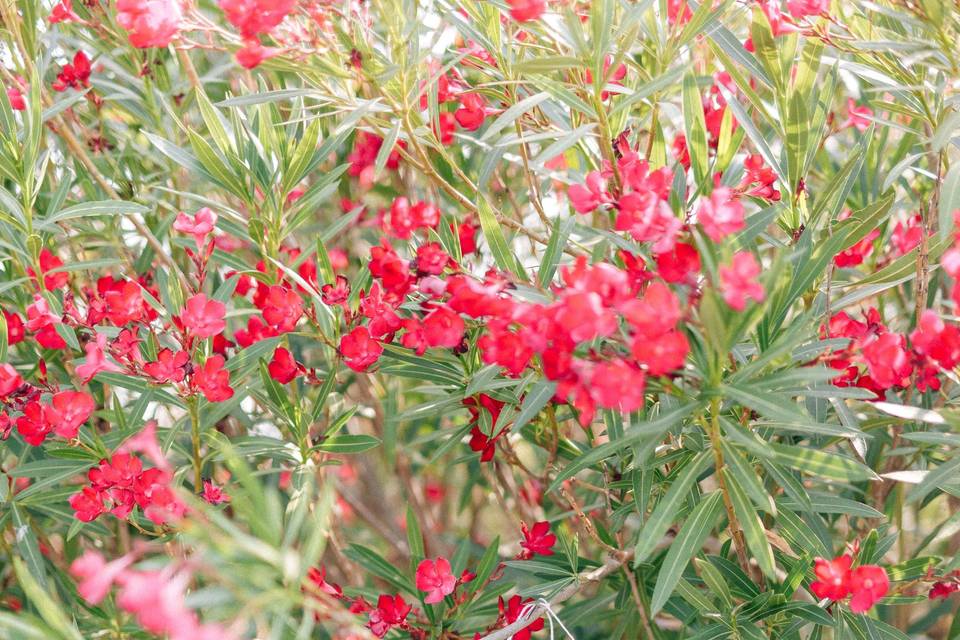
(551, 256)
(665, 513)
(493, 232)
(690, 539)
(653, 429)
(27, 545)
(696, 130)
(753, 530)
(821, 463)
(93, 208)
(348, 444)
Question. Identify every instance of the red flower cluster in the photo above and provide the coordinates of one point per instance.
(120, 484)
(836, 580)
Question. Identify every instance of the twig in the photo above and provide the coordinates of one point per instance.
(612, 565)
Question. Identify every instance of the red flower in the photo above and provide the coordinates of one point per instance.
(391, 611)
(203, 318)
(662, 355)
(63, 12)
(526, 10)
(435, 577)
(48, 263)
(868, 584)
(337, 293)
(256, 16)
(432, 259)
(833, 577)
(282, 308)
(681, 264)
(252, 53)
(213, 380)
(942, 590)
(538, 540)
(70, 410)
(318, 576)
(199, 225)
(472, 111)
(214, 494)
(87, 505)
(505, 348)
(15, 328)
(10, 380)
(887, 360)
(149, 23)
(36, 423)
(738, 281)
(76, 75)
(168, 367)
(283, 368)
(16, 99)
(443, 327)
(359, 349)
(511, 611)
(123, 303)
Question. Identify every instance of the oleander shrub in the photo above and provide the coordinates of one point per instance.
(479, 319)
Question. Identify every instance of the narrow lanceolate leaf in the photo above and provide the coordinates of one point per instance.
(551, 257)
(664, 514)
(817, 462)
(696, 130)
(690, 539)
(91, 209)
(27, 545)
(653, 429)
(493, 232)
(750, 523)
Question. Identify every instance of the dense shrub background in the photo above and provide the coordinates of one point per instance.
(479, 319)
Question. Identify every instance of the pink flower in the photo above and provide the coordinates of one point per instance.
(586, 197)
(738, 282)
(199, 225)
(526, 10)
(10, 380)
(203, 318)
(435, 577)
(146, 443)
(149, 23)
(95, 361)
(858, 117)
(168, 367)
(721, 214)
(96, 576)
(72, 408)
(802, 8)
